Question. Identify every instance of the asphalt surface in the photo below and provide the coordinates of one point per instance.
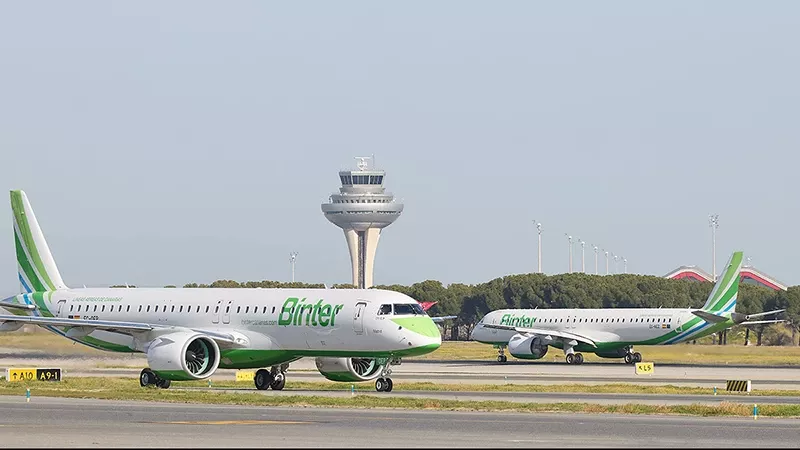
(529, 397)
(50, 422)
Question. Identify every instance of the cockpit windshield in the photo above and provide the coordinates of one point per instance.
(401, 309)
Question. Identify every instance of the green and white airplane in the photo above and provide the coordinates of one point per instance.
(354, 334)
(612, 333)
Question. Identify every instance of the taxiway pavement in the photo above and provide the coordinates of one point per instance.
(54, 422)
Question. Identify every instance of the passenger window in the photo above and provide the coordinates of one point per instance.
(173, 308)
(148, 308)
(273, 310)
(140, 308)
(385, 310)
(70, 307)
(216, 310)
(264, 311)
(128, 309)
(79, 308)
(95, 308)
(238, 309)
(180, 309)
(228, 309)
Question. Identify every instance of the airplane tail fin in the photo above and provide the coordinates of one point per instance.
(726, 289)
(36, 268)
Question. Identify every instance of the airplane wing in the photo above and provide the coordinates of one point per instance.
(543, 332)
(442, 318)
(129, 328)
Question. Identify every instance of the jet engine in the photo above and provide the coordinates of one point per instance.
(183, 356)
(527, 347)
(349, 369)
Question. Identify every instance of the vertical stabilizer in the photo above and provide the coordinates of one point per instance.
(726, 289)
(35, 265)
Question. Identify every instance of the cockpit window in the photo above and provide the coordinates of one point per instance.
(384, 310)
(401, 309)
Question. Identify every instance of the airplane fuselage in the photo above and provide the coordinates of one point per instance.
(278, 325)
(611, 329)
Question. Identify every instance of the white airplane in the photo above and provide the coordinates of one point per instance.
(612, 333)
(354, 334)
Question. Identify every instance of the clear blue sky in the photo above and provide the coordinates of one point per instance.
(171, 142)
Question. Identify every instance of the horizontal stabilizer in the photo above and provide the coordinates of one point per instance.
(709, 317)
(17, 306)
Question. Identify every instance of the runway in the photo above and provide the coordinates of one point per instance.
(49, 422)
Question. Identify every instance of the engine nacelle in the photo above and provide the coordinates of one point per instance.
(183, 356)
(349, 369)
(10, 326)
(527, 347)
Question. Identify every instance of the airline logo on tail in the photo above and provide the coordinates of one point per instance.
(37, 270)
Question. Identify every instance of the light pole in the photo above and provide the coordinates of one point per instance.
(595, 260)
(606, 252)
(539, 229)
(569, 239)
(713, 222)
(624, 265)
(616, 264)
(292, 260)
(583, 253)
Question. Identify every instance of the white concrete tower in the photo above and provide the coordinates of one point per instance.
(362, 209)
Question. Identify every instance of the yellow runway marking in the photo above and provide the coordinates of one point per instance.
(233, 422)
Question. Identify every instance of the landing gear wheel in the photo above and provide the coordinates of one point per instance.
(263, 379)
(570, 358)
(389, 385)
(628, 359)
(163, 384)
(380, 385)
(147, 377)
(502, 358)
(578, 358)
(637, 357)
(279, 383)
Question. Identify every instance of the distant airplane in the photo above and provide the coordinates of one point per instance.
(354, 334)
(613, 332)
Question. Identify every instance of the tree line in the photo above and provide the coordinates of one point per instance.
(469, 303)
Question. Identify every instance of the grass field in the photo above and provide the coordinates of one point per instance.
(39, 339)
(125, 389)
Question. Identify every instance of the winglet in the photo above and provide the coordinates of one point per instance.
(36, 268)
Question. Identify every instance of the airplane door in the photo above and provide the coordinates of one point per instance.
(358, 318)
(226, 318)
(60, 307)
(570, 322)
(678, 327)
(215, 315)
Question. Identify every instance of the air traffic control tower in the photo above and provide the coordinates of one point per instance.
(362, 208)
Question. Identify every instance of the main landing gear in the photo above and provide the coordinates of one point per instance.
(149, 378)
(274, 378)
(501, 356)
(574, 358)
(633, 357)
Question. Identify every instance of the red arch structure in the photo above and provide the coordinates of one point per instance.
(749, 275)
